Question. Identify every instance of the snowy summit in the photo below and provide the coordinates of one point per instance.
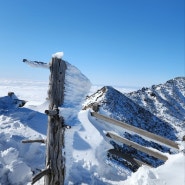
(58, 55)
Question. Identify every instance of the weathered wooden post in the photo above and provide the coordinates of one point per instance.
(54, 171)
(55, 162)
(55, 133)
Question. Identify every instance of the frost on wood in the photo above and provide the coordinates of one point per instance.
(36, 64)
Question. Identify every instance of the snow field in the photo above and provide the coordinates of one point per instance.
(85, 145)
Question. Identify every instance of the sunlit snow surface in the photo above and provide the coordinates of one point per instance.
(172, 173)
(85, 146)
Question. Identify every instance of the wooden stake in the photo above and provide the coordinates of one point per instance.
(33, 141)
(137, 146)
(40, 175)
(55, 133)
(151, 136)
(55, 167)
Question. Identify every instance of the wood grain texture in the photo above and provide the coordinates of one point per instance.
(139, 131)
(55, 161)
(137, 146)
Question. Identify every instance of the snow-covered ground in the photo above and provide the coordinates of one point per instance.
(86, 160)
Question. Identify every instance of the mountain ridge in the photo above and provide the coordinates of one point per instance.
(165, 101)
(152, 109)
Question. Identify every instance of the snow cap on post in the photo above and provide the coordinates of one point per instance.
(58, 55)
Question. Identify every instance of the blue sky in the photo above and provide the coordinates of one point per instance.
(113, 42)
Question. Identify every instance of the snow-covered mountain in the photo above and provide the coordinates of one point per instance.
(166, 101)
(159, 109)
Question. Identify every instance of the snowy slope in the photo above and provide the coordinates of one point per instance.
(172, 173)
(18, 162)
(85, 143)
(159, 109)
(166, 101)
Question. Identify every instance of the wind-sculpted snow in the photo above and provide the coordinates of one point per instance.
(77, 86)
